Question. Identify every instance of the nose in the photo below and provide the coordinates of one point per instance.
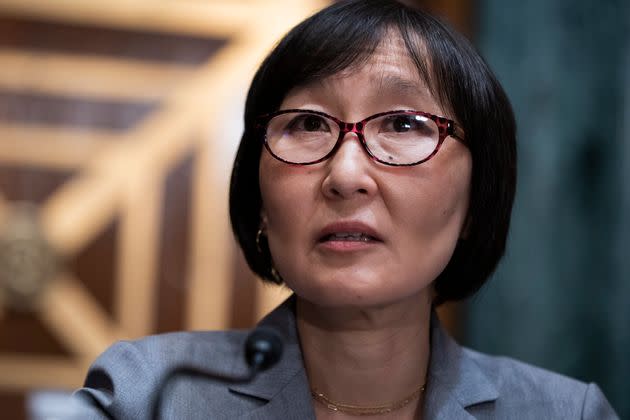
(349, 171)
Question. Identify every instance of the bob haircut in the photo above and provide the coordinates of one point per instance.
(342, 37)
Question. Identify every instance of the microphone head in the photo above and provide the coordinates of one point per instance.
(263, 348)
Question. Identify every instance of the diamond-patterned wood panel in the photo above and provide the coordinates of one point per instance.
(113, 214)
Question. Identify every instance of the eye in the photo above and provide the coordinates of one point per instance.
(403, 123)
(308, 122)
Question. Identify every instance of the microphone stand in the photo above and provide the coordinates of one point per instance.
(263, 349)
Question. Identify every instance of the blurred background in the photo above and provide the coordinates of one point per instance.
(118, 125)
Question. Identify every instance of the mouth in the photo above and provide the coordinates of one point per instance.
(348, 236)
(348, 232)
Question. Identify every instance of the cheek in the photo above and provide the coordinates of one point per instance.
(451, 194)
(285, 192)
(435, 208)
(430, 240)
(432, 215)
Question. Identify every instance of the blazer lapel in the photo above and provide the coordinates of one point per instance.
(292, 402)
(285, 385)
(455, 382)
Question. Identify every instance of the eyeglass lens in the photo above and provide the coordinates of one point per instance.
(400, 138)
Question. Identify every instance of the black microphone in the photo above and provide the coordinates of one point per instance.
(263, 349)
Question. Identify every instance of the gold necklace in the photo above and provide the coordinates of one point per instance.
(359, 410)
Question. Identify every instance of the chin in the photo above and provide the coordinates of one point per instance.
(357, 293)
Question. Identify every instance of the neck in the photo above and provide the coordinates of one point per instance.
(366, 356)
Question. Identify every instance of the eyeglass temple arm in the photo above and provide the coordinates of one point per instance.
(458, 133)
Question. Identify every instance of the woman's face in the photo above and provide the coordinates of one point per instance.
(415, 213)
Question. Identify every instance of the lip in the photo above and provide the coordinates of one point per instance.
(350, 226)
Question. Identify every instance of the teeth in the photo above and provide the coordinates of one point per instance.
(355, 236)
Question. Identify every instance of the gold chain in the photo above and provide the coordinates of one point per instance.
(358, 410)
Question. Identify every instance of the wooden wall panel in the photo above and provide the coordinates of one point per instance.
(41, 35)
(244, 293)
(221, 18)
(95, 266)
(173, 261)
(25, 107)
(25, 333)
(93, 76)
(45, 148)
(459, 13)
(20, 183)
(13, 405)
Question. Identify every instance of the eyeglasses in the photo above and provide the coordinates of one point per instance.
(395, 138)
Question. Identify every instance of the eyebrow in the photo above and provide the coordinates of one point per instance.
(397, 85)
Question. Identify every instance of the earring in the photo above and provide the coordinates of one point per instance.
(274, 273)
(276, 276)
(258, 235)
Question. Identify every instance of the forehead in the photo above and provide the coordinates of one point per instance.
(391, 57)
(387, 75)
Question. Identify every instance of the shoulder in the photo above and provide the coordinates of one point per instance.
(163, 349)
(124, 382)
(153, 355)
(126, 375)
(527, 391)
(517, 378)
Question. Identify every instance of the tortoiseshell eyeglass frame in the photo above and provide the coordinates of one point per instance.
(446, 127)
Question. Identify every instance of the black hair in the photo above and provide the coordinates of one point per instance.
(344, 35)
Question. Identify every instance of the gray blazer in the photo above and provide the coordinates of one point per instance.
(462, 384)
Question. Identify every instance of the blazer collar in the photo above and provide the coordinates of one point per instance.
(454, 383)
(285, 385)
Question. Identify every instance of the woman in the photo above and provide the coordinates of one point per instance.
(375, 178)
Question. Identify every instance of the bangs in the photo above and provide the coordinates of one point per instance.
(326, 45)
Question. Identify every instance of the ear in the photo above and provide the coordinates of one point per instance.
(263, 218)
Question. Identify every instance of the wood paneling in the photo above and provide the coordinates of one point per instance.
(24, 333)
(88, 76)
(50, 148)
(77, 319)
(459, 13)
(13, 404)
(20, 183)
(95, 267)
(21, 371)
(82, 40)
(196, 18)
(26, 107)
(243, 311)
(173, 261)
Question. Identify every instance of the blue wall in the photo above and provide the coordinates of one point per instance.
(561, 297)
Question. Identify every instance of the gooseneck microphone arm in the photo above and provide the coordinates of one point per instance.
(263, 349)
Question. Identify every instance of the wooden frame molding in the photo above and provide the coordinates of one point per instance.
(83, 76)
(209, 19)
(21, 372)
(119, 175)
(51, 147)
